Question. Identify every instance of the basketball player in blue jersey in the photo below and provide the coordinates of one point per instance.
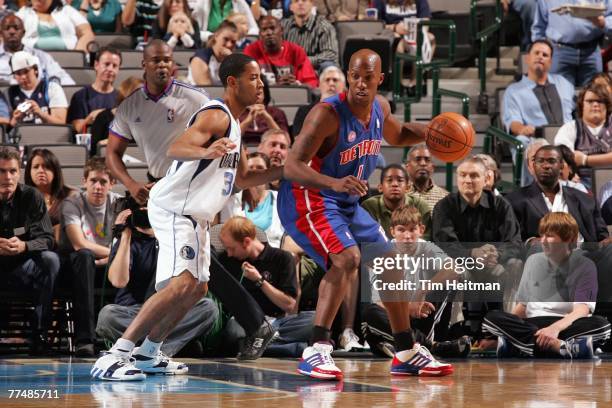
(207, 164)
(325, 174)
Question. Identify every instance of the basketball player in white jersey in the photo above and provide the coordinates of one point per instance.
(208, 162)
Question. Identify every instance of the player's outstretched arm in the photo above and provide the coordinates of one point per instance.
(396, 134)
(246, 178)
(195, 142)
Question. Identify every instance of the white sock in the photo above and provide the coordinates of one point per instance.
(149, 348)
(123, 347)
(563, 349)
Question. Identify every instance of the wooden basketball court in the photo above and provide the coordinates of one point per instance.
(477, 382)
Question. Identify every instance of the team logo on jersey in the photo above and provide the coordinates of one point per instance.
(351, 136)
(187, 252)
(170, 115)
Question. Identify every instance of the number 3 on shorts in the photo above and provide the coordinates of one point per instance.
(228, 183)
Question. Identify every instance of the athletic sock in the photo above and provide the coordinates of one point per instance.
(320, 335)
(404, 340)
(123, 347)
(149, 348)
(563, 349)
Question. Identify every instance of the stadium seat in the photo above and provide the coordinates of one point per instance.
(69, 58)
(119, 41)
(549, 132)
(290, 111)
(290, 95)
(346, 29)
(68, 154)
(600, 177)
(30, 134)
(71, 90)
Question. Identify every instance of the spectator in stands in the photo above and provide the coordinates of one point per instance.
(89, 101)
(241, 22)
(420, 168)
(275, 144)
(282, 62)
(546, 195)
(569, 173)
(590, 135)
(26, 240)
(5, 111)
(538, 99)
(104, 16)
(606, 206)
(331, 82)
(577, 55)
(132, 266)
(342, 10)
(50, 25)
(393, 182)
(87, 221)
(261, 117)
(139, 16)
(269, 275)
(100, 125)
(210, 13)
(204, 65)
(526, 10)
(12, 32)
(556, 299)
(604, 79)
(313, 33)
(492, 177)
(34, 100)
(175, 25)
(43, 172)
(530, 152)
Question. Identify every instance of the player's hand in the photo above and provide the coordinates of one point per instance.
(140, 192)
(546, 337)
(219, 148)
(351, 185)
(122, 217)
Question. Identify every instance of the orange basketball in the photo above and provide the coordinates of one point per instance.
(450, 136)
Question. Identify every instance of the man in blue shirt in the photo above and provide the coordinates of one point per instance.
(576, 40)
(538, 99)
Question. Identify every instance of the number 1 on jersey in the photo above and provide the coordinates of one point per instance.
(360, 171)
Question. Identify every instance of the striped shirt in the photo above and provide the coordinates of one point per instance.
(146, 13)
(431, 195)
(317, 36)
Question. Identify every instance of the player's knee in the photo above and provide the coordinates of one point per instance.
(348, 261)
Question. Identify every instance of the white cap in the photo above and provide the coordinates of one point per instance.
(21, 60)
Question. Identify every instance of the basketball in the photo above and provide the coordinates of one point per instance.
(450, 136)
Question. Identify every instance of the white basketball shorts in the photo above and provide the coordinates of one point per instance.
(184, 245)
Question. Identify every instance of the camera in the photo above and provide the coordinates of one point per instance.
(23, 107)
(138, 218)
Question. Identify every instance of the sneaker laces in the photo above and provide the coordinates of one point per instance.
(325, 356)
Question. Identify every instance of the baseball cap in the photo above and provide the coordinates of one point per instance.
(21, 60)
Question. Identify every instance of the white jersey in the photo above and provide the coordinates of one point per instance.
(153, 122)
(200, 188)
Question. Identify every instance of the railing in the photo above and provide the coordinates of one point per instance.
(494, 133)
(482, 37)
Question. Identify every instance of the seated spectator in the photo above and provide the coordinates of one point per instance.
(530, 152)
(87, 220)
(12, 32)
(204, 65)
(210, 14)
(606, 206)
(603, 79)
(88, 102)
(556, 300)
(342, 10)
(577, 55)
(132, 266)
(590, 135)
(407, 228)
(313, 33)
(104, 16)
(275, 144)
(393, 182)
(44, 173)
(269, 275)
(546, 195)
(420, 168)
(242, 24)
(492, 177)
(261, 117)
(331, 82)
(175, 25)
(26, 240)
(569, 173)
(34, 100)
(100, 125)
(50, 25)
(282, 62)
(538, 99)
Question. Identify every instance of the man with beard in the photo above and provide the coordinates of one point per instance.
(420, 168)
(538, 99)
(12, 31)
(275, 144)
(87, 103)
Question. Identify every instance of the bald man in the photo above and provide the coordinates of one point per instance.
(324, 176)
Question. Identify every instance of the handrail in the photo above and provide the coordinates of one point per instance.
(482, 36)
(493, 133)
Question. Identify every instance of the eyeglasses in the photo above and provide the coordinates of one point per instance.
(594, 101)
(551, 161)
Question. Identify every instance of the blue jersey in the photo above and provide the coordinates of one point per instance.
(355, 152)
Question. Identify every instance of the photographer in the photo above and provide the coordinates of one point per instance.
(132, 269)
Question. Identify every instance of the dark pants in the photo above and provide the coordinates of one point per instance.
(520, 332)
(235, 299)
(37, 274)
